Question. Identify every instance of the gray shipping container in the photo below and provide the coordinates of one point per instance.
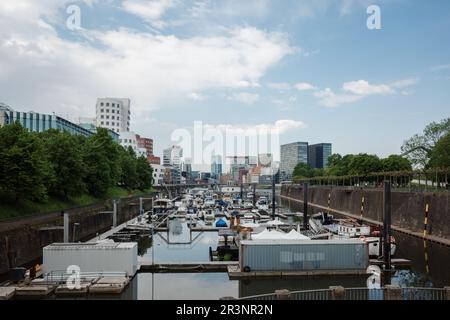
(303, 255)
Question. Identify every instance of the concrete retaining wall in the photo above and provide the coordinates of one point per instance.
(408, 208)
(22, 243)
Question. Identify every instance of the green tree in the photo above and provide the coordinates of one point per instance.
(363, 164)
(318, 172)
(396, 163)
(303, 170)
(101, 159)
(145, 173)
(64, 151)
(334, 160)
(128, 165)
(24, 168)
(418, 149)
(440, 155)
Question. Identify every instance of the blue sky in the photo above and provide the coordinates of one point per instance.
(238, 64)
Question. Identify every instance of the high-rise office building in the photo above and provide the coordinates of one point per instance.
(145, 143)
(318, 155)
(291, 155)
(39, 122)
(113, 114)
(216, 167)
(172, 158)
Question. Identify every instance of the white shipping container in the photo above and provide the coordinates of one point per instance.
(91, 257)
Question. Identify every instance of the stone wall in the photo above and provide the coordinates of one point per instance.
(408, 208)
(22, 243)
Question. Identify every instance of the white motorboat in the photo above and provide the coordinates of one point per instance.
(262, 204)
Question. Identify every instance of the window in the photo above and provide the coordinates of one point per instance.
(102, 110)
(113, 118)
(107, 123)
(107, 110)
(120, 140)
(102, 104)
(107, 104)
(118, 118)
(102, 123)
(107, 117)
(113, 104)
(103, 117)
(113, 111)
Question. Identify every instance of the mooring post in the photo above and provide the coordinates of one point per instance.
(66, 227)
(254, 194)
(305, 205)
(273, 198)
(387, 225)
(242, 192)
(114, 213)
(283, 294)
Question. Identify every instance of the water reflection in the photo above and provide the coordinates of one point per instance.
(430, 261)
(430, 268)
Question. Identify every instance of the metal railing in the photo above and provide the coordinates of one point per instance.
(358, 294)
(311, 295)
(437, 179)
(58, 276)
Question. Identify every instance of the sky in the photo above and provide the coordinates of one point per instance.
(312, 70)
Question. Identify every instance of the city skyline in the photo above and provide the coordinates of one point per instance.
(313, 65)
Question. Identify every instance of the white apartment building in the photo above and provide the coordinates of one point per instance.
(129, 139)
(158, 174)
(172, 158)
(113, 114)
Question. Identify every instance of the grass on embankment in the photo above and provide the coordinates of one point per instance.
(28, 208)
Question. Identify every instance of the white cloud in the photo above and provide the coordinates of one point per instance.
(197, 96)
(150, 10)
(245, 97)
(358, 90)
(280, 86)
(153, 70)
(304, 86)
(364, 88)
(404, 83)
(328, 98)
(280, 126)
(440, 67)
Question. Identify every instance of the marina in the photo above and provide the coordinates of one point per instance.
(230, 247)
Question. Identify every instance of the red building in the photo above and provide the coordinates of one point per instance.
(145, 143)
(154, 160)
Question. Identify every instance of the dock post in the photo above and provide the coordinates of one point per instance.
(273, 198)
(114, 213)
(387, 225)
(337, 293)
(393, 292)
(283, 295)
(305, 206)
(242, 192)
(254, 195)
(141, 207)
(66, 227)
(447, 290)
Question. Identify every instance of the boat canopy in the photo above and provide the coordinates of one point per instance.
(277, 235)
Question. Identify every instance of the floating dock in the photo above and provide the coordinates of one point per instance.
(235, 273)
(7, 293)
(192, 267)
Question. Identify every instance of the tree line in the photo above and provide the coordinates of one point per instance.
(354, 165)
(430, 150)
(34, 166)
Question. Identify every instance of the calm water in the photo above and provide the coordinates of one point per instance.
(174, 246)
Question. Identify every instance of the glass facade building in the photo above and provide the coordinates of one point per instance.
(318, 155)
(38, 122)
(291, 155)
